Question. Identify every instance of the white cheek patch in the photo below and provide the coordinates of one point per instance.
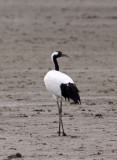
(53, 54)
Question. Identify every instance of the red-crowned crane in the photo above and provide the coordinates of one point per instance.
(60, 85)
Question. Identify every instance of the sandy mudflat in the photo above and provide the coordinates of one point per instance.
(29, 32)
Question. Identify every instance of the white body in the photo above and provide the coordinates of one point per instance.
(53, 80)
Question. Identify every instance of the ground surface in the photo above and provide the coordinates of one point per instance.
(29, 32)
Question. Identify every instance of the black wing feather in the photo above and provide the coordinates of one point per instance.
(70, 90)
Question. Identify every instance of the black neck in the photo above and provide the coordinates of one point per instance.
(56, 64)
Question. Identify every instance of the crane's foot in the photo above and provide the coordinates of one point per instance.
(64, 134)
(59, 134)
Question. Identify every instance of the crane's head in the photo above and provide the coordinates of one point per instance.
(58, 54)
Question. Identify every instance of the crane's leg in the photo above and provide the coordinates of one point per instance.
(60, 112)
(59, 132)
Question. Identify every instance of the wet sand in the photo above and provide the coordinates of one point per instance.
(30, 31)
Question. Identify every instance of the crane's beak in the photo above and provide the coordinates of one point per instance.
(64, 55)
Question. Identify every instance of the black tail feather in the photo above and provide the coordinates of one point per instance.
(70, 91)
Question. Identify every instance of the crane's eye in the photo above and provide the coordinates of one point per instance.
(60, 54)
